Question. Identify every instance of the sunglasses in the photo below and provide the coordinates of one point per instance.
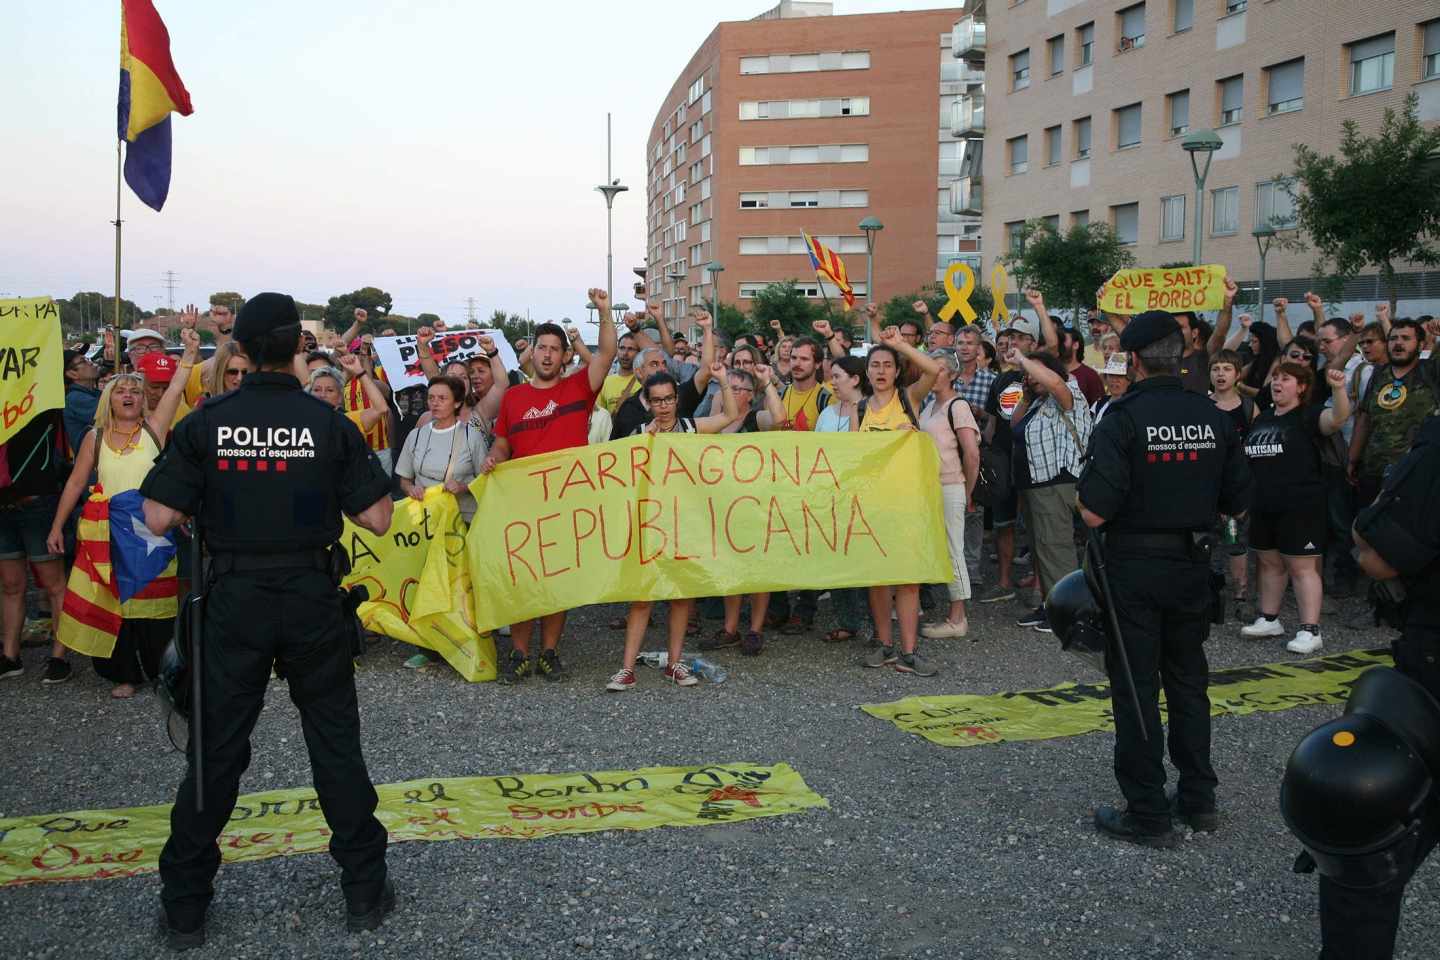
(234, 371)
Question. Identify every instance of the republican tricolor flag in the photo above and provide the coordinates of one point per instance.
(829, 266)
(150, 90)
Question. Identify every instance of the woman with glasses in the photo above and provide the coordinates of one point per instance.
(228, 367)
(662, 392)
(328, 384)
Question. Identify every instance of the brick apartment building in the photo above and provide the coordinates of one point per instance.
(1090, 100)
(800, 120)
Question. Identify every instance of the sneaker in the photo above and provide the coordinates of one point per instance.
(719, 640)
(945, 630)
(880, 656)
(679, 674)
(1035, 618)
(369, 916)
(1044, 626)
(57, 670)
(514, 668)
(549, 666)
(916, 664)
(1263, 627)
(418, 662)
(752, 643)
(1022, 556)
(1305, 642)
(10, 667)
(622, 681)
(996, 594)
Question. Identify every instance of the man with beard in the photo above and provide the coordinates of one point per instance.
(1400, 396)
(619, 386)
(634, 411)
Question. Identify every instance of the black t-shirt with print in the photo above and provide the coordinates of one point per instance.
(1005, 393)
(1285, 460)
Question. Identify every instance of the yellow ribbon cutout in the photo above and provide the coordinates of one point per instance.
(999, 283)
(959, 301)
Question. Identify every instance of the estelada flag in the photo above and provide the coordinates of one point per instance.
(829, 266)
(150, 90)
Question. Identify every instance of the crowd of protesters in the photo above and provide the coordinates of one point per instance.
(1324, 408)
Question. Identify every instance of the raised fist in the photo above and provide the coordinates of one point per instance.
(920, 307)
(352, 364)
(822, 327)
(890, 336)
(1231, 290)
(487, 342)
(601, 299)
(1034, 298)
(361, 314)
(1280, 303)
(1312, 300)
(424, 335)
(702, 319)
(762, 373)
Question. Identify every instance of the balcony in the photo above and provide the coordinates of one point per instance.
(967, 116)
(967, 40)
(966, 197)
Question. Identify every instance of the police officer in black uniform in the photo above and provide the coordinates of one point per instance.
(267, 472)
(1161, 464)
(1370, 838)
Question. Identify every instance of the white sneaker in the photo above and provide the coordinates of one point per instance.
(1263, 627)
(945, 630)
(1305, 642)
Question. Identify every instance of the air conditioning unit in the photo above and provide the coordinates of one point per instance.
(967, 116)
(966, 196)
(967, 39)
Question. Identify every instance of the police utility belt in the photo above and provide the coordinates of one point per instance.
(321, 559)
(1193, 544)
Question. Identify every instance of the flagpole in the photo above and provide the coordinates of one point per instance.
(119, 166)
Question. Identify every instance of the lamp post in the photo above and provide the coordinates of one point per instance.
(871, 226)
(1264, 236)
(714, 268)
(609, 188)
(1200, 142)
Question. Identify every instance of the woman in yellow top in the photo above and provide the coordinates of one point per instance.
(121, 449)
(328, 384)
(892, 407)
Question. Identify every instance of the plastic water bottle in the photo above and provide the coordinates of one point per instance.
(712, 672)
(655, 658)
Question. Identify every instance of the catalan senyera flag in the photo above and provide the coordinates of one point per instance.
(150, 90)
(829, 266)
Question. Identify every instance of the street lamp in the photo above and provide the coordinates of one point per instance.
(1264, 237)
(1206, 142)
(609, 188)
(713, 268)
(871, 226)
(618, 310)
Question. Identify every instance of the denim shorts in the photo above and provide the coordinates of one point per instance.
(24, 527)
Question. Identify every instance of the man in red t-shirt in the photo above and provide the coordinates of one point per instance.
(551, 412)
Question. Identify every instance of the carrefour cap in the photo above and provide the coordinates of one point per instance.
(1146, 328)
(265, 312)
(157, 367)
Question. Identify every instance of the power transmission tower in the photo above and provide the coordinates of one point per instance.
(170, 288)
(469, 309)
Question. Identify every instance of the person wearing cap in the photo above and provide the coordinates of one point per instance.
(1162, 464)
(1116, 377)
(268, 473)
(141, 341)
(159, 368)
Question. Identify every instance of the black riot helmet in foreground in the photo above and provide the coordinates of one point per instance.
(1077, 619)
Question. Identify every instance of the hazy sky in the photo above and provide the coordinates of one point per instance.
(435, 148)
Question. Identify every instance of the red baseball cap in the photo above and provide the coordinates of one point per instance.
(157, 367)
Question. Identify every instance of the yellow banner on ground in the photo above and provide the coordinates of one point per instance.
(676, 515)
(419, 583)
(31, 374)
(1072, 709)
(105, 844)
(1172, 289)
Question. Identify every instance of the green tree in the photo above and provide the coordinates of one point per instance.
(731, 321)
(1067, 268)
(340, 311)
(230, 298)
(87, 313)
(1377, 203)
(784, 302)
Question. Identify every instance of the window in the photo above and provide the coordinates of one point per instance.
(697, 130)
(1372, 64)
(1287, 86)
(1232, 100)
(1184, 15)
(1020, 70)
(854, 106)
(1172, 218)
(804, 155)
(1132, 27)
(1235, 6)
(754, 245)
(697, 213)
(705, 103)
(704, 189)
(1178, 104)
(1012, 235)
(802, 198)
(1085, 36)
(806, 62)
(1057, 55)
(1274, 205)
(754, 201)
(754, 65)
(1125, 218)
(1052, 146)
(1127, 126)
(854, 153)
(1019, 149)
(1080, 218)
(1430, 51)
(697, 89)
(753, 156)
(854, 198)
(1082, 138)
(1052, 223)
(1224, 211)
(705, 146)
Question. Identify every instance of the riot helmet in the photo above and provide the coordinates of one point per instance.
(1076, 618)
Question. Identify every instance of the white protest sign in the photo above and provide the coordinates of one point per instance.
(401, 357)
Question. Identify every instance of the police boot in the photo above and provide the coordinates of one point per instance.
(1123, 826)
(177, 939)
(1200, 821)
(369, 916)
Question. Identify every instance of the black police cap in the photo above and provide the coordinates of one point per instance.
(265, 312)
(1146, 328)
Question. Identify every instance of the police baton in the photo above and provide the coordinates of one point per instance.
(1096, 552)
(196, 602)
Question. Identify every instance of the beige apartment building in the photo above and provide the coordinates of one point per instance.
(798, 121)
(1089, 101)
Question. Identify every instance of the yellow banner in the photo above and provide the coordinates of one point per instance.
(419, 583)
(31, 374)
(1072, 709)
(105, 844)
(1175, 289)
(675, 515)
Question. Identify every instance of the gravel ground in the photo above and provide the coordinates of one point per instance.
(985, 852)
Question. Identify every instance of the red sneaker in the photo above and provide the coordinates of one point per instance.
(680, 675)
(622, 681)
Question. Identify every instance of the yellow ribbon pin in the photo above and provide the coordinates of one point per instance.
(959, 301)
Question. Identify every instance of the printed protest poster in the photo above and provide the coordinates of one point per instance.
(1174, 289)
(31, 370)
(400, 356)
(659, 517)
